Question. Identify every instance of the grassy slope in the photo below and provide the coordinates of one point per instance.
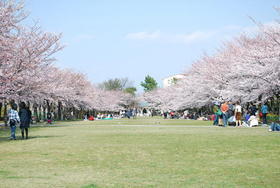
(99, 155)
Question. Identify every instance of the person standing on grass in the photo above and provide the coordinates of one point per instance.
(231, 109)
(216, 110)
(13, 120)
(224, 109)
(238, 114)
(25, 119)
(264, 110)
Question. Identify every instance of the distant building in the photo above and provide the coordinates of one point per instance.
(172, 80)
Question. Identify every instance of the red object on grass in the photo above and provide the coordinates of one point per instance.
(91, 118)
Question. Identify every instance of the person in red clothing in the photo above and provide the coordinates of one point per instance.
(224, 109)
(172, 114)
(91, 118)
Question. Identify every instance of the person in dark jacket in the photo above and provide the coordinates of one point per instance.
(253, 109)
(25, 119)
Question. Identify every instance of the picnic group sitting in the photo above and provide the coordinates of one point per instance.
(231, 114)
(88, 117)
(99, 116)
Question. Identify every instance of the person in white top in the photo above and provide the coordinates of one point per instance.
(253, 121)
(238, 114)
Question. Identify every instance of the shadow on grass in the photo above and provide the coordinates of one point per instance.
(6, 138)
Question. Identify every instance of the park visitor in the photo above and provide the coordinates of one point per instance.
(216, 118)
(165, 115)
(246, 115)
(85, 117)
(49, 118)
(253, 121)
(231, 108)
(25, 119)
(264, 111)
(238, 114)
(13, 120)
(91, 118)
(253, 109)
(224, 109)
(274, 127)
(172, 114)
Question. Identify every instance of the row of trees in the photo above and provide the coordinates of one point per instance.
(27, 71)
(246, 69)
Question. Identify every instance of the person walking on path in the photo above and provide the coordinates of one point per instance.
(25, 119)
(13, 120)
(224, 109)
(238, 114)
(264, 110)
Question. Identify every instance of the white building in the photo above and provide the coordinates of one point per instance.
(172, 80)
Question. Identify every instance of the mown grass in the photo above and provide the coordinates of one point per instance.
(108, 154)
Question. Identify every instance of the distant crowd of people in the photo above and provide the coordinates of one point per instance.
(129, 113)
(99, 116)
(230, 113)
(225, 114)
(185, 115)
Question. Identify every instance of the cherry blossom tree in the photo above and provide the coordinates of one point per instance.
(24, 52)
(245, 69)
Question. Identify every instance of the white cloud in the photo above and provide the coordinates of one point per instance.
(220, 34)
(165, 37)
(143, 35)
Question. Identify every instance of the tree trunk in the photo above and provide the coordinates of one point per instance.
(44, 113)
(35, 112)
(278, 102)
(59, 111)
(74, 114)
(48, 107)
(1, 104)
(5, 114)
(40, 112)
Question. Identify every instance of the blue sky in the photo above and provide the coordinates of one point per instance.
(132, 38)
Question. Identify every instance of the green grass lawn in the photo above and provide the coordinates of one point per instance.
(162, 153)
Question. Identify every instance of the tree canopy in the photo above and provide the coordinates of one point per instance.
(149, 83)
(119, 84)
(131, 90)
(246, 69)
